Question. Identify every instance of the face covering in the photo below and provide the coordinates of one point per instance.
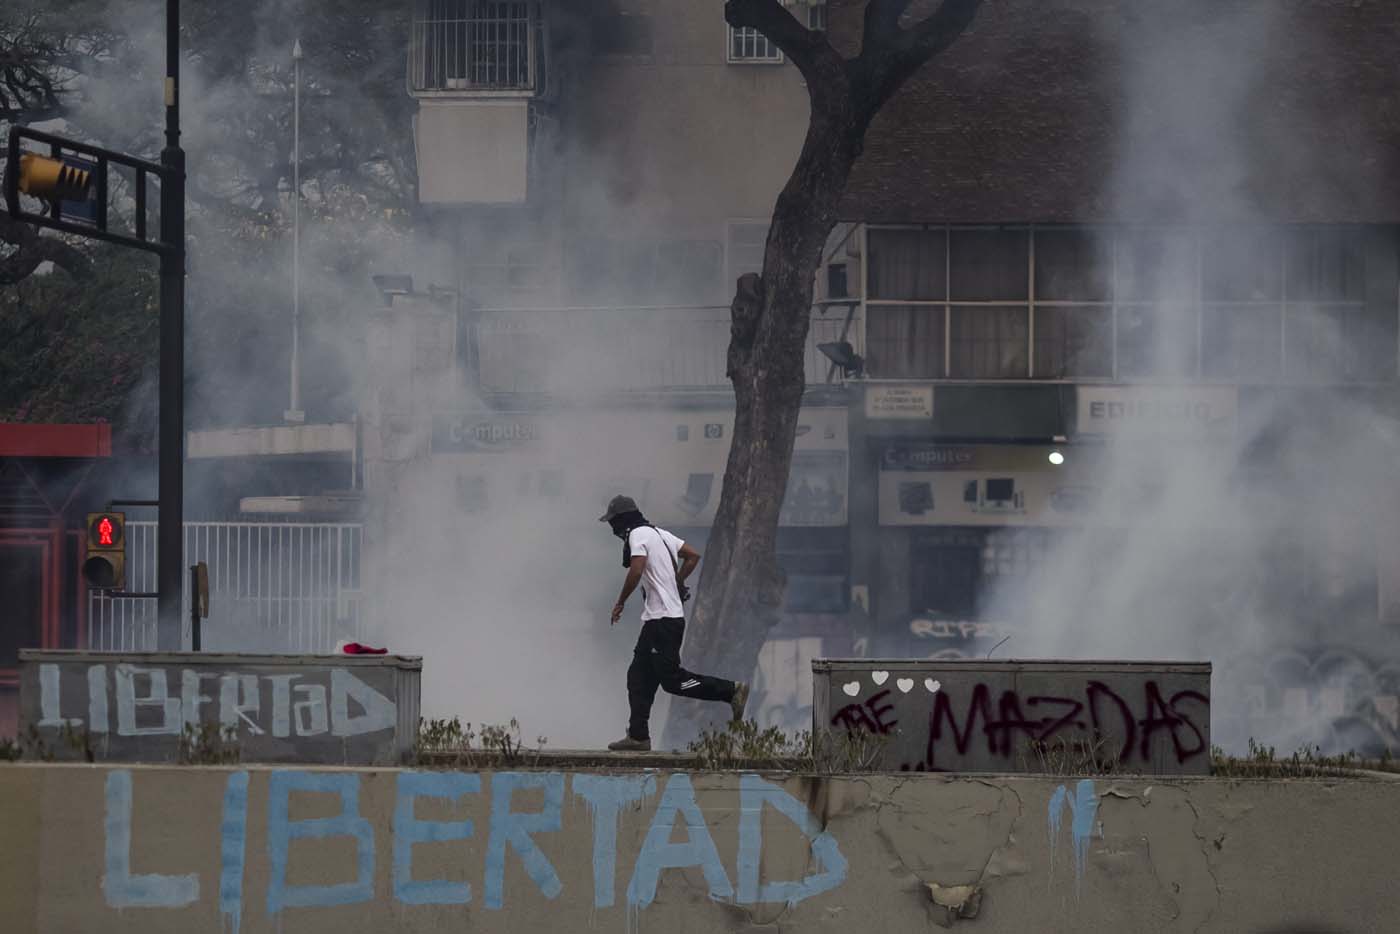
(622, 527)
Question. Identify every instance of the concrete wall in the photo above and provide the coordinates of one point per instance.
(162, 849)
(1006, 716)
(143, 706)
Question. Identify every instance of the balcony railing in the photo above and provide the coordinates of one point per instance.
(601, 350)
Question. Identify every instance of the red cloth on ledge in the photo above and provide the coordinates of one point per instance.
(359, 648)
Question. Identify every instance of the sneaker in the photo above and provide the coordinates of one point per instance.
(739, 701)
(628, 744)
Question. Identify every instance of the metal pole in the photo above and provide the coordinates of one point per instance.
(171, 488)
(194, 608)
(294, 412)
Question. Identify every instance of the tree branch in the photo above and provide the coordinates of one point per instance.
(932, 35)
(808, 50)
(882, 67)
(882, 21)
(33, 250)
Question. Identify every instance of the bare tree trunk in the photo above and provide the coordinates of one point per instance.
(741, 587)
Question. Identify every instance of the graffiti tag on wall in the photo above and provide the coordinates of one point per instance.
(963, 722)
(138, 701)
(274, 711)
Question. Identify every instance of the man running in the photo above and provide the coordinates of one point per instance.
(660, 562)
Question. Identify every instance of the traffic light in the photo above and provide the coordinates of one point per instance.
(53, 179)
(105, 567)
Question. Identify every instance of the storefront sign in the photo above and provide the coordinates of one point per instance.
(935, 484)
(899, 402)
(458, 433)
(1173, 411)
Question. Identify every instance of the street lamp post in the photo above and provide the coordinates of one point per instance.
(294, 413)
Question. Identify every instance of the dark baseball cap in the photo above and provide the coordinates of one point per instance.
(617, 506)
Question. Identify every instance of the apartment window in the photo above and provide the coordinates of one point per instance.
(749, 46)
(1155, 284)
(816, 15)
(908, 264)
(1073, 341)
(906, 317)
(987, 339)
(1073, 304)
(1327, 331)
(1156, 341)
(963, 293)
(905, 341)
(1073, 265)
(1231, 304)
(1242, 273)
(987, 342)
(474, 45)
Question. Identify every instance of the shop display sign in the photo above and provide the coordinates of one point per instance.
(899, 401)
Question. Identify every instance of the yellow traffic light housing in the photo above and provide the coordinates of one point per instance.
(52, 179)
(105, 565)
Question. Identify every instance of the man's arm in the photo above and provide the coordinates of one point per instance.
(690, 559)
(629, 584)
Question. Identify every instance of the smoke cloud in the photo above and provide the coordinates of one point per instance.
(1261, 550)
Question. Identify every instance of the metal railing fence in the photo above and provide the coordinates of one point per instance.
(273, 587)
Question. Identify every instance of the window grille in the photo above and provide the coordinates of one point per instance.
(474, 45)
(750, 45)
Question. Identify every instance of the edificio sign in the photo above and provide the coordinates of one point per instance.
(1170, 411)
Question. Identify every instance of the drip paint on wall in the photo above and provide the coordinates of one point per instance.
(1083, 807)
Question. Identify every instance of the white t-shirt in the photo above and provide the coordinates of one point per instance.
(660, 597)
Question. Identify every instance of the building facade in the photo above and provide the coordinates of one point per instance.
(1129, 307)
(1094, 253)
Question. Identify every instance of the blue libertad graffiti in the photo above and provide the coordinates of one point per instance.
(510, 835)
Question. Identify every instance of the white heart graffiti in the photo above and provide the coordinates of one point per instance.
(932, 685)
(879, 677)
(852, 688)
(905, 685)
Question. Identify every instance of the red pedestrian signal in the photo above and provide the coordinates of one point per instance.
(105, 566)
(106, 530)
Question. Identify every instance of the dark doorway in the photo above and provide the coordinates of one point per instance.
(21, 600)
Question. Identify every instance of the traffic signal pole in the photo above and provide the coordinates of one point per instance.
(53, 182)
(170, 564)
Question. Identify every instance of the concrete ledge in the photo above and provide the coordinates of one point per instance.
(161, 850)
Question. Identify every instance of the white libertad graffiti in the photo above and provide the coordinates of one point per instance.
(146, 703)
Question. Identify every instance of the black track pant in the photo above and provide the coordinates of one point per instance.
(656, 662)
